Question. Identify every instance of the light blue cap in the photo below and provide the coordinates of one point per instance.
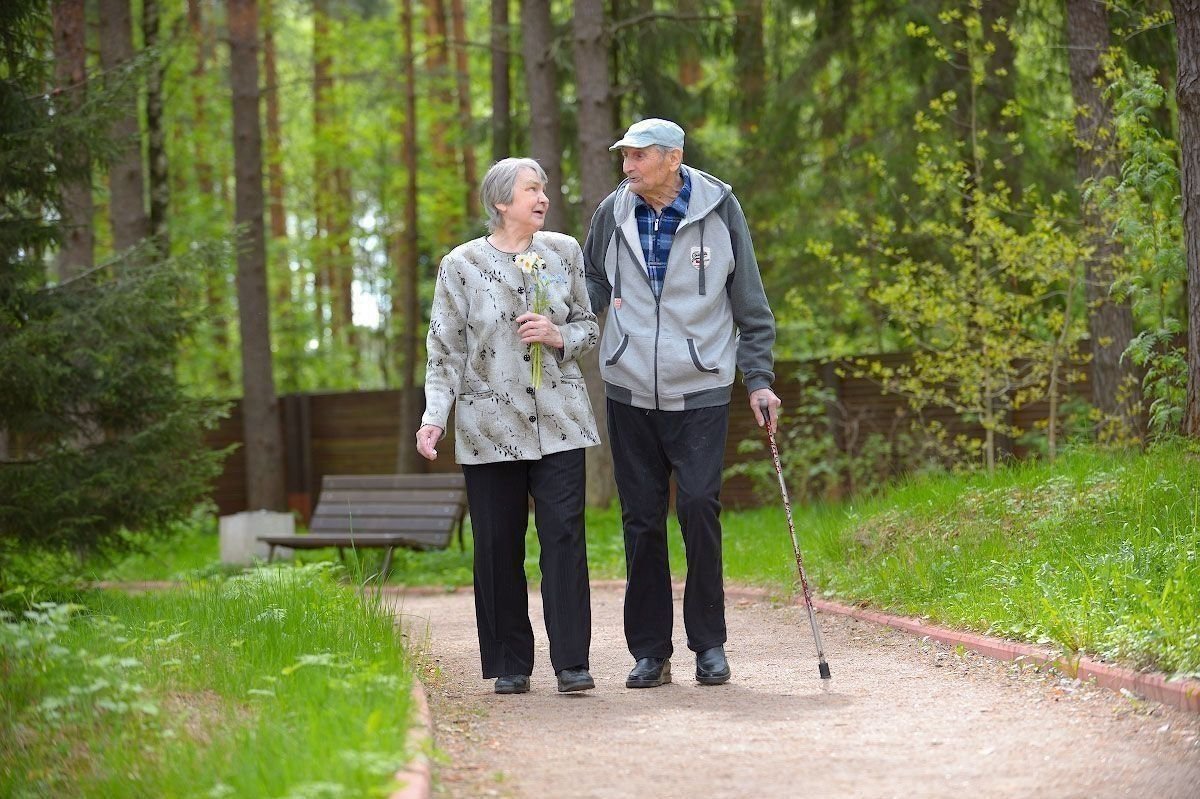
(652, 131)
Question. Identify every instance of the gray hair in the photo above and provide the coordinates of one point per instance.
(498, 183)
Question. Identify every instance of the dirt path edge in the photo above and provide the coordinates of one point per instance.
(417, 776)
(1179, 693)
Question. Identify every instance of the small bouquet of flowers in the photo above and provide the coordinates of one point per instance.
(533, 265)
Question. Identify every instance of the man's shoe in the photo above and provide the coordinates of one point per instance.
(575, 680)
(649, 673)
(512, 684)
(711, 666)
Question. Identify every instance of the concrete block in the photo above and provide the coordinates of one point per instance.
(239, 535)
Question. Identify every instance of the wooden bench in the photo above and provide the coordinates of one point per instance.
(382, 511)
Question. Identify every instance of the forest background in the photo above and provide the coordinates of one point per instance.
(992, 187)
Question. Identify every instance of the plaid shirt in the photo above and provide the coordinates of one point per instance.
(657, 231)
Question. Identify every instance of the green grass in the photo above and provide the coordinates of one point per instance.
(276, 683)
(1098, 552)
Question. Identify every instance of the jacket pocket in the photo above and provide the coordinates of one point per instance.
(682, 368)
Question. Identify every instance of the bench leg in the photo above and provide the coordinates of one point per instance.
(271, 553)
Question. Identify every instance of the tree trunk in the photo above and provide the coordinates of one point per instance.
(323, 171)
(127, 186)
(749, 67)
(160, 185)
(407, 263)
(70, 72)
(1116, 386)
(260, 409)
(283, 293)
(501, 85)
(597, 177)
(545, 139)
(1187, 92)
(462, 76)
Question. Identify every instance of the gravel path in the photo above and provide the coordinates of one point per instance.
(901, 717)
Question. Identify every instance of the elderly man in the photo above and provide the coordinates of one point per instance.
(669, 255)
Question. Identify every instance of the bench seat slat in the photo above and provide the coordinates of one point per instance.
(371, 524)
(343, 511)
(400, 481)
(413, 497)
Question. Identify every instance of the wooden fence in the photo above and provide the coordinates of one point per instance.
(358, 432)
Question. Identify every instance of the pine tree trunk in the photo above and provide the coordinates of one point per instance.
(278, 219)
(462, 75)
(260, 409)
(597, 177)
(126, 181)
(541, 82)
(749, 67)
(70, 72)
(1116, 385)
(160, 184)
(323, 249)
(407, 264)
(1187, 92)
(501, 84)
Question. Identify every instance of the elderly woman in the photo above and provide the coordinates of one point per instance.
(510, 319)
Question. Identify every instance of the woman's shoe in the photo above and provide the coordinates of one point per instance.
(512, 684)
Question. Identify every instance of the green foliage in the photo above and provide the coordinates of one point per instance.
(1143, 207)
(979, 284)
(190, 692)
(91, 416)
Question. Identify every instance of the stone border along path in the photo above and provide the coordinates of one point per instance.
(902, 716)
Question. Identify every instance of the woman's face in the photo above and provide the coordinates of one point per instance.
(526, 213)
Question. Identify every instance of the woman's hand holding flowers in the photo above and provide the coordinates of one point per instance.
(537, 329)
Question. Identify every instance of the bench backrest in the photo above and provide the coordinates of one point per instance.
(423, 507)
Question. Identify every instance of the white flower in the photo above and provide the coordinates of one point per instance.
(529, 262)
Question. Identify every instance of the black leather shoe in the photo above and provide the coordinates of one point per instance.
(575, 680)
(649, 673)
(512, 684)
(711, 666)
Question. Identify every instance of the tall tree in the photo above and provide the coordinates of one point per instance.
(406, 256)
(462, 82)
(1115, 383)
(160, 186)
(1187, 92)
(749, 65)
(70, 68)
(260, 409)
(126, 178)
(501, 85)
(541, 82)
(274, 139)
(594, 89)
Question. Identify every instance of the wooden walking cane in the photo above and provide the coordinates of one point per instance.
(822, 666)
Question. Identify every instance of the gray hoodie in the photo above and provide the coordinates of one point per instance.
(678, 351)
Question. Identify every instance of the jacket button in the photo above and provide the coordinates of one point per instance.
(527, 357)
(533, 418)
(529, 391)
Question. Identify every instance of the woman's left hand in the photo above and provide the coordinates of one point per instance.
(537, 329)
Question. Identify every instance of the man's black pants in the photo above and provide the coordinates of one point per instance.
(498, 496)
(648, 448)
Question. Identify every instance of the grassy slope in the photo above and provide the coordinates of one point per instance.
(265, 685)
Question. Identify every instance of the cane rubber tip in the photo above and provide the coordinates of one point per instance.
(824, 668)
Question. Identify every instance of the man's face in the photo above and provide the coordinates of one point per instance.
(650, 171)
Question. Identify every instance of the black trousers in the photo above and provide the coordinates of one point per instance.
(648, 448)
(498, 496)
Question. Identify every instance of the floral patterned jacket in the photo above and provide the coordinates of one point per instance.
(478, 365)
